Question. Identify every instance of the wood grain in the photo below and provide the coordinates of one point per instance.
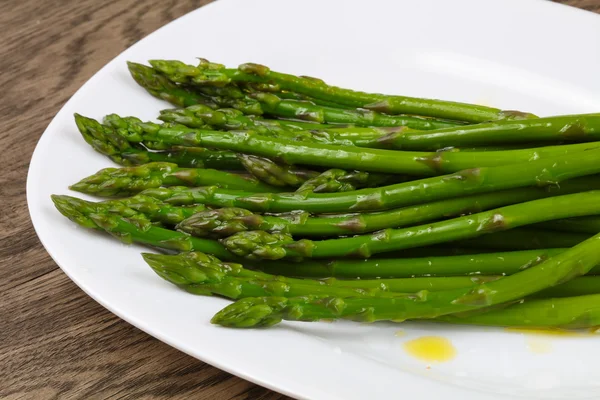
(55, 341)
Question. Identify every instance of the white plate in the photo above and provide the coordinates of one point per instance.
(513, 54)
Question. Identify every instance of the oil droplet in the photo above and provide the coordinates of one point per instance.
(538, 346)
(400, 333)
(431, 349)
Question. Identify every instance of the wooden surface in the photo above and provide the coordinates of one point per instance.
(55, 341)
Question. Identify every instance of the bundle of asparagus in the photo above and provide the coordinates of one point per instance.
(304, 201)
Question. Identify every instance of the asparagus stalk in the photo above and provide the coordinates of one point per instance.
(267, 311)
(294, 152)
(157, 211)
(229, 220)
(201, 116)
(203, 274)
(578, 128)
(200, 273)
(215, 74)
(308, 111)
(504, 263)
(106, 141)
(274, 174)
(581, 311)
(590, 224)
(111, 182)
(339, 180)
(474, 181)
(129, 227)
(162, 88)
(272, 246)
(229, 96)
(524, 239)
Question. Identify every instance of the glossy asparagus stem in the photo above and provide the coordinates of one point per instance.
(267, 311)
(503, 263)
(589, 224)
(272, 246)
(227, 221)
(207, 73)
(201, 116)
(155, 210)
(295, 152)
(279, 175)
(201, 273)
(474, 181)
(106, 141)
(124, 181)
(580, 311)
(162, 88)
(129, 227)
(528, 238)
(570, 128)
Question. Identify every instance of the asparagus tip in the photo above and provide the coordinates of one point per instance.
(249, 313)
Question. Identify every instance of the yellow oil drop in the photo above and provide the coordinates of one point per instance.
(400, 333)
(431, 349)
(538, 346)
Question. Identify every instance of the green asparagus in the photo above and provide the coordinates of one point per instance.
(504, 263)
(201, 116)
(162, 88)
(295, 152)
(561, 268)
(204, 274)
(227, 221)
(590, 224)
(578, 128)
(110, 182)
(130, 228)
(272, 246)
(207, 73)
(581, 311)
(529, 238)
(106, 141)
(274, 174)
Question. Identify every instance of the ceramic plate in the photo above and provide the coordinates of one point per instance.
(529, 55)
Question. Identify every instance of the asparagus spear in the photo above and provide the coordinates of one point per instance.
(524, 239)
(272, 246)
(590, 224)
(274, 174)
(157, 211)
(106, 141)
(339, 180)
(129, 180)
(129, 227)
(294, 152)
(480, 180)
(539, 130)
(308, 111)
(267, 311)
(504, 263)
(581, 311)
(230, 96)
(579, 128)
(215, 74)
(201, 273)
(201, 116)
(227, 221)
(162, 88)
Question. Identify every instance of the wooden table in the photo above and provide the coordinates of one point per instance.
(55, 341)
